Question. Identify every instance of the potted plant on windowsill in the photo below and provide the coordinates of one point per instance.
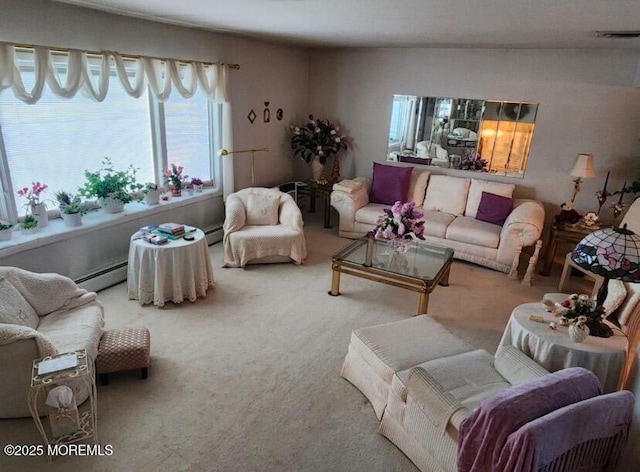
(197, 184)
(71, 208)
(175, 178)
(6, 230)
(29, 225)
(34, 205)
(111, 187)
(151, 193)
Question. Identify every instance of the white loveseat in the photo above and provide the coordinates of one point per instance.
(450, 205)
(42, 315)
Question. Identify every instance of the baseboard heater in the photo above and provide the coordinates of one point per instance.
(118, 272)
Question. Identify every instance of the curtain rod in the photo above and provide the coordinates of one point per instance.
(125, 56)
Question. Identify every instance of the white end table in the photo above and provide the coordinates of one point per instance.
(41, 384)
(553, 349)
(174, 271)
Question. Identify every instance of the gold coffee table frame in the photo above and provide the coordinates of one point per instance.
(420, 270)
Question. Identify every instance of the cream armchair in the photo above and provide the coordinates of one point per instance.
(262, 225)
(41, 315)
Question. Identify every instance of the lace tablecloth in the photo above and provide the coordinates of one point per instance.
(174, 271)
(553, 349)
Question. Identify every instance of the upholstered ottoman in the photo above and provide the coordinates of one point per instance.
(376, 353)
(123, 349)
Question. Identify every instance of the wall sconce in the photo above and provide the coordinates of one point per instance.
(582, 169)
(224, 152)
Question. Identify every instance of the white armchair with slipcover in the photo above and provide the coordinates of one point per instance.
(262, 225)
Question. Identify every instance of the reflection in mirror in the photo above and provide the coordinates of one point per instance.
(467, 134)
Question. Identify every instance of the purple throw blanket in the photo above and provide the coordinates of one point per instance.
(588, 435)
(484, 433)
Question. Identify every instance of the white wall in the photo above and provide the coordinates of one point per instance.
(268, 72)
(587, 104)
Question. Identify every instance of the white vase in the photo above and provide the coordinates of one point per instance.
(197, 188)
(72, 219)
(6, 234)
(578, 332)
(39, 211)
(317, 169)
(112, 205)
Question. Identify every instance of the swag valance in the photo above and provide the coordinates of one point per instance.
(75, 70)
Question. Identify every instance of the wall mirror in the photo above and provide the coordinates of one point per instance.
(461, 133)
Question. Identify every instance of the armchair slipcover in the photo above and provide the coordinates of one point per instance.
(262, 225)
(41, 315)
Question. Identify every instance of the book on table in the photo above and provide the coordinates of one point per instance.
(171, 228)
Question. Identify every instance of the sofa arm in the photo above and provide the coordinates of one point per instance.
(348, 203)
(437, 404)
(235, 215)
(15, 372)
(522, 228)
(290, 214)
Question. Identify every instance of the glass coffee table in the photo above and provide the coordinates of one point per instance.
(422, 268)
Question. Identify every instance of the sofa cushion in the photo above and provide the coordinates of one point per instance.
(14, 309)
(436, 223)
(370, 213)
(390, 183)
(494, 208)
(475, 193)
(262, 209)
(417, 186)
(448, 194)
(468, 230)
(469, 376)
(71, 330)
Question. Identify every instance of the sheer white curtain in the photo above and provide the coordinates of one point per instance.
(78, 70)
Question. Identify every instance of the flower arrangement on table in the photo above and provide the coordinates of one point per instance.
(473, 161)
(175, 177)
(399, 225)
(583, 310)
(33, 194)
(318, 138)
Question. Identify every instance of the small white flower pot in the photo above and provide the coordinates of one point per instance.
(6, 234)
(152, 197)
(28, 231)
(40, 213)
(72, 219)
(198, 188)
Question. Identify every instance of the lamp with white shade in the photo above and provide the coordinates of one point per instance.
(582, 169)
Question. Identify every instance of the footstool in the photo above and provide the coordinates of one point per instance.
(376, 353)
(123, 349)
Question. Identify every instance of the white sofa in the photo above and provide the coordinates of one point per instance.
(450, 205)
(42, 315)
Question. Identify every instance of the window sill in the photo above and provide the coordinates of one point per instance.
(95, 221)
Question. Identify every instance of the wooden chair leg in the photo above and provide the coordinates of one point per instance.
(513, 274)
(566, 272)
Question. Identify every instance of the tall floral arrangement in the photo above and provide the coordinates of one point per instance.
(473, 161)
(175, 176)
(583, 309)
(400, 223)
(317, 138)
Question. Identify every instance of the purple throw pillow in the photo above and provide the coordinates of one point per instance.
(494, 208)
(390, 184)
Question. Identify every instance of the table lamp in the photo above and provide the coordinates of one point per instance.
(611, 253)
(582, 169)
(224, 152)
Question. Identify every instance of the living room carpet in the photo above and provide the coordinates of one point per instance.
(247, 379)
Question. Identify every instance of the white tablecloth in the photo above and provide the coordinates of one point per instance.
(175, 271)
(553, 349)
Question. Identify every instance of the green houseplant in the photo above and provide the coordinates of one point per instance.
(71, 208)
(112, 187)
(6, 231)
(29, 225)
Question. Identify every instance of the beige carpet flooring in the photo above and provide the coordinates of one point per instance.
(247, 379)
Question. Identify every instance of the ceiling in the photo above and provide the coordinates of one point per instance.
(399, 23)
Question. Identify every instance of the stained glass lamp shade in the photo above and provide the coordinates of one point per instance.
(611, 253)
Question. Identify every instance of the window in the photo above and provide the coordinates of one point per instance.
(55, 140)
